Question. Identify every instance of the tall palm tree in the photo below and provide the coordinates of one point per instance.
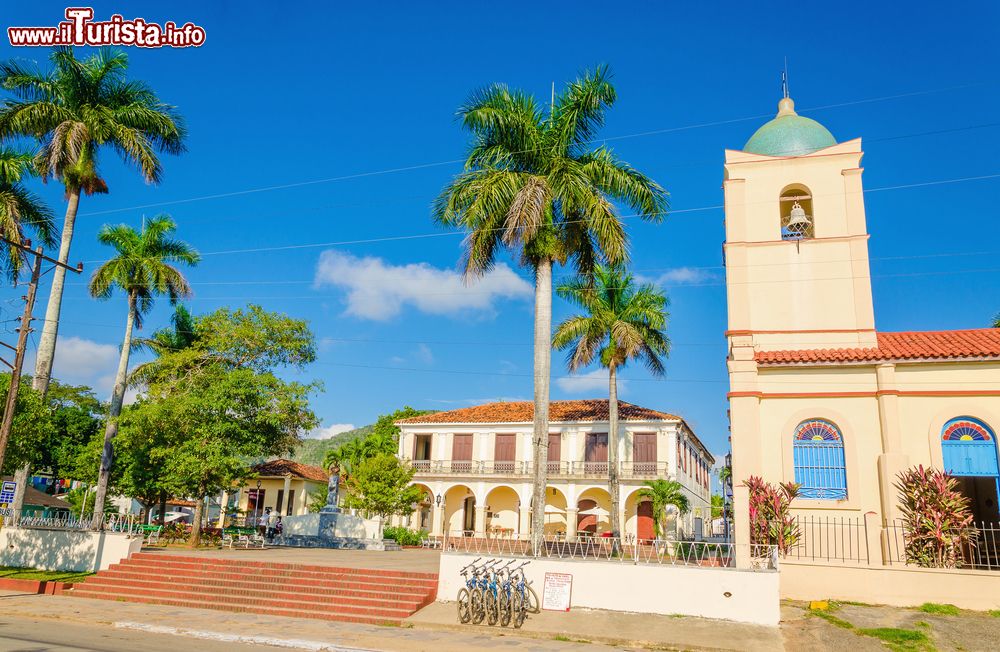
(141, 269)
(623, 322)
(663, 493)
(74, 110)
(20, 208)
(534, 185)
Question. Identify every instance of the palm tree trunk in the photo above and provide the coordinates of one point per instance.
(47, 341)
(117, 398)
(613, 483)
(542, 370)
(50, 327)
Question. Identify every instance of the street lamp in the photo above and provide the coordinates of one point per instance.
(438, 499)
(257, 506)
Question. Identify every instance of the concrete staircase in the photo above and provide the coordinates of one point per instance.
(360, 595)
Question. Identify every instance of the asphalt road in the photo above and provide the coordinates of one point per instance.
(30, 635)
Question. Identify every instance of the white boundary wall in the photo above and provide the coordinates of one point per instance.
(647, 588)
(64, 550)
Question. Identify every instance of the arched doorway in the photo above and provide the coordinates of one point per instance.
(593, 511)
(459, 510)
(644, 529)
(969, 450)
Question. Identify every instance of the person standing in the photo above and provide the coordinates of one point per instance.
(263, 521)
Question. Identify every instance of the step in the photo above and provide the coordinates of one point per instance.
(372, 601)
(291, 613)
(234, 572)
(383, 610)
(183, 560)
(329, 581)
(211, 584)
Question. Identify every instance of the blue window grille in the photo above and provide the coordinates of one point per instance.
(818, 453)
(969, 448)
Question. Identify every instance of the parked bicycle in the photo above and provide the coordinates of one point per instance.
(495, 593)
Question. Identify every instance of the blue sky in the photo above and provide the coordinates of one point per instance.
(334, 97)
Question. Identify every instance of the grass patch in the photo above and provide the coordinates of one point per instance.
(995, 613)
(14, 573)
(833, 620)
(940, 609)
(901, 640)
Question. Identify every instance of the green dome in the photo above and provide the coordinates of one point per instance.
(789, 134)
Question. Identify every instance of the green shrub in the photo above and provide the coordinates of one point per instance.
(944, 609)
(404, 536)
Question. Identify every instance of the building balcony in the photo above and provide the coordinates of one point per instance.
(514, 469)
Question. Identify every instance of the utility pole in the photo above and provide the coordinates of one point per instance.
(22, 336)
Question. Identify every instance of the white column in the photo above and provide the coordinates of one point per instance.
(222, 508)
(673, 464)
(286, 497)
(529, 450)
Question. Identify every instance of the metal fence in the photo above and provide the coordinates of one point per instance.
(982, 553)
(125, 523)
(621, 550)
(831, 539)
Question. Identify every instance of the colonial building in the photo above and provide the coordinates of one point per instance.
(283, 486)
(475, 465)
(818, 395)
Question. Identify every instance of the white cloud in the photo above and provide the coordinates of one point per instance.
(379, 290)
(595, 381)
(80, 361)
(325, 432)
(684, 276)
(423, 354)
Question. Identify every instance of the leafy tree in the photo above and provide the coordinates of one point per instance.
(663, 493)
(623, 322)
(74, 110)
(31, 427)
(381, 485)
(228, 407)
(81, 501)
(76, 421)
(20, 208)
(534, 184)
(141, 269)
(718, 505)
(996, 321)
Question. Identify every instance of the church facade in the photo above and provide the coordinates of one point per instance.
(818, 395)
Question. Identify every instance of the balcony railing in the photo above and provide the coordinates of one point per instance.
(626, 470)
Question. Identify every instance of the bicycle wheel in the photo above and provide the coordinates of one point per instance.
(476, 606)
(464, 606)
(532, 605)
(505, 609)
(492, 608)
(518, 609)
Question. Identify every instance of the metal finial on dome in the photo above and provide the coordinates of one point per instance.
(786, 107)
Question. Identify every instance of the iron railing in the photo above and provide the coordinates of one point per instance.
(982, 552)
(125, 523)
(621, 549)
(627, 470)
(831, 539)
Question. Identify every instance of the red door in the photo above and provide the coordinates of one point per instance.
(503, 453)
(586, 522)
(461, 453)
(555, 452)
(644, 521)
(644, 453)
(596, 453)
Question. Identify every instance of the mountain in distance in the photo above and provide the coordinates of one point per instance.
(312, 451)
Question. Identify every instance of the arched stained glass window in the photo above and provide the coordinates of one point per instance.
(969, 448)
(818, 453)
(965, 429)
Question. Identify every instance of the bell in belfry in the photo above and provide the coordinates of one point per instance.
(798, 221)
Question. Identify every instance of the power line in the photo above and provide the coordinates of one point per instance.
(422, 166)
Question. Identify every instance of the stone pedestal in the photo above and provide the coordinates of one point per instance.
(333, 529)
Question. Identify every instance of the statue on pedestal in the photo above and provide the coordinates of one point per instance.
(332, 491)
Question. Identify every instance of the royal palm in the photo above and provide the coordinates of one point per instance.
(535, 185)
(141, 269)
(622, 322)
(75, 110)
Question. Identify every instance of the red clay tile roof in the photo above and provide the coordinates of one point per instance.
(559, 411)
(911, 345)
(280, 468)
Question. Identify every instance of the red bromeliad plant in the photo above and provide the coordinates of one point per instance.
(936, 518)
(770, 521)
